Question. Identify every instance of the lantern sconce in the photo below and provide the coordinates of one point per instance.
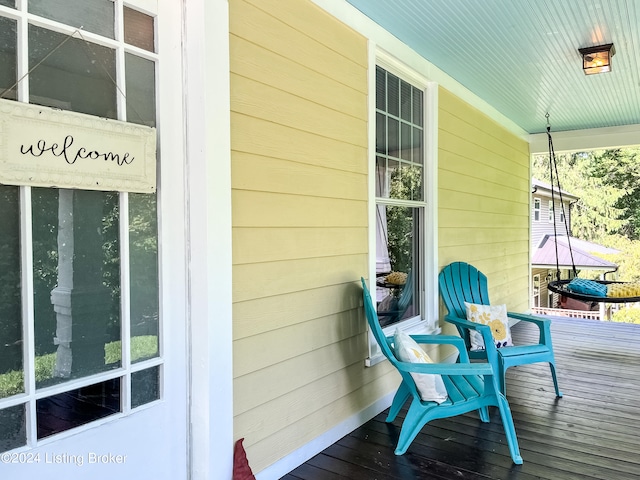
(597, 59)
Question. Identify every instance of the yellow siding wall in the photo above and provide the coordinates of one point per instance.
(484, 190)
(299, 179)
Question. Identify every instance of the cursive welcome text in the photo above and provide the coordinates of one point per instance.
(71, 155)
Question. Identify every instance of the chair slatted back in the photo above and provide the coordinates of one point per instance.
(460, 282)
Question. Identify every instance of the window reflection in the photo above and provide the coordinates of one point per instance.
(77, 76)
(145, 386)
(138, 29)
(8, 58)
(95, 16)
(71, 409)
(13, 428)
(397, 262)
(141, 90)
(143, 260)
(11, 368)
(76, 283)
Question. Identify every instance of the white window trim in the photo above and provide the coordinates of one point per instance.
(551, 212)
(429, 322)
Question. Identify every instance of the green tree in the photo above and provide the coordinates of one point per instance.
(620, 169)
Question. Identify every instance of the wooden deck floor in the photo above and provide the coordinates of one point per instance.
(593, 432)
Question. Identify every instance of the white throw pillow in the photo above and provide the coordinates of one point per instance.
(493, 315)
(430, 386)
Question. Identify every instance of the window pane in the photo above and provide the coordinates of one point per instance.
(381, 88)
(8, 3)
(7, 58)
(417, 106)
(76, 283)
(398, 238)
(71, 409)
(381, 133)
(11, 368)
(145, 386)
(95, 15)
(88, 68)
(406, 146)
(13, 430)
(393, 95)
(405, 101)
(417, 139)
(143, 259)
(138, 29)
(141, 90)
(393, 137)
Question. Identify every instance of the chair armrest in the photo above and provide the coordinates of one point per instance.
(445, 340)
(485, 331)
(462, 322)
(529, 318)
(543, 324)
(436, 339)
(446, 368)
(439, 340)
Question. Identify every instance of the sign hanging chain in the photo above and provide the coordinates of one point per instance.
(88, 46)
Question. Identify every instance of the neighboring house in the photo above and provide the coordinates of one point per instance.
(554, 251)
(143, 334)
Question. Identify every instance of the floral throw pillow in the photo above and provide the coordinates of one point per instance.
(430, 386)
(493, 315)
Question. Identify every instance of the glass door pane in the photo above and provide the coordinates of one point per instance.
(11, 366)
(76, 261)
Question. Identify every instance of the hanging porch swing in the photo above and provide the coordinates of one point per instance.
(578, 288)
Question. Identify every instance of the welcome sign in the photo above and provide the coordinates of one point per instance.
(45, 147)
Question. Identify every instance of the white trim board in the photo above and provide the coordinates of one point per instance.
(318, 444)
(588, 139)
(298, 457)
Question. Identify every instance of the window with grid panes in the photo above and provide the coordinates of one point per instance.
(400, 198)
(79, 297)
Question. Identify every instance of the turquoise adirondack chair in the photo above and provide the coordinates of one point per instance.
(470, 386)
(461, 282)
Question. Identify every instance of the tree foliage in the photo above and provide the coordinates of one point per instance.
(607, 183)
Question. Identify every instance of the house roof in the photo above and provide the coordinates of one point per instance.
(542, 187)
(583, 254)
(521, 57)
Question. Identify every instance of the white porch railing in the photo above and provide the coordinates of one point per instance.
(561, 312)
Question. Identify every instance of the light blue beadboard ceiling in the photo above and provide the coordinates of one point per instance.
(521, 56)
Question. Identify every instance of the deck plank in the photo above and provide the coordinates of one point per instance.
(591, 433)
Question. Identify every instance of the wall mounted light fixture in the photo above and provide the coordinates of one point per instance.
(597, 59)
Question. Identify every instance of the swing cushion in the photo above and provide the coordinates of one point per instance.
(587, 287)
(495, 316)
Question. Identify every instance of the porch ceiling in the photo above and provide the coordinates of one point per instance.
(521, 56)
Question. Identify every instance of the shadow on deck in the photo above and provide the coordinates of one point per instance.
(591, 433)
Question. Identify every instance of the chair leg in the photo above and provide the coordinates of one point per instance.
(555, 379)
(416, 418)
(509, 429)
(398, 401)
(501, 377)
(484, 414)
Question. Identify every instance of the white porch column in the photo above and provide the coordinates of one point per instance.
(206, 80)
